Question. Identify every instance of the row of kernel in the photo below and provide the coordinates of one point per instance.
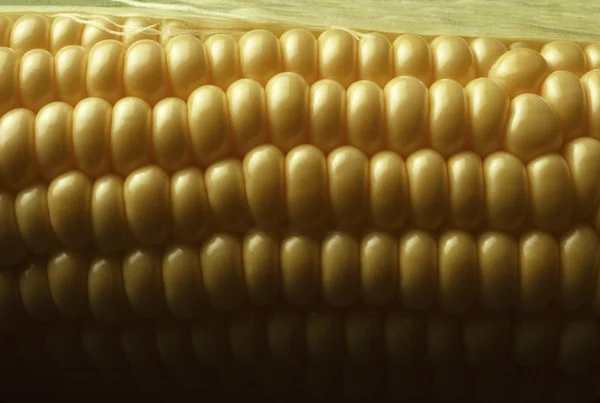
(335, 54)
(457, 272)
(143, 349)
(304, 190)
(35, 31)
(325, 338)
(213, 124)
(147, 70)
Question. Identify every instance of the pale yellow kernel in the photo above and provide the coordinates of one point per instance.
(533, 128)
(565, 56)
(338, 56)
(485, 52)
(260, 55)
(520, 71)
(412, 57)
(452, 59)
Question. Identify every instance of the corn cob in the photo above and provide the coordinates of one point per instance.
(381, 215)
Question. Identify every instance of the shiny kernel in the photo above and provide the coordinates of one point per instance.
(583, 157)
(12, 248)
(37, 81)
(375, 59)
(306, 187)
(428, 188)
(68, 278)
(485, 53)
(452, 59)
(365, 116)
(209, 124)
(261, 267)
(226, 193)
(147, 204)
(69, 205)
(130, 135)
(418, 286)
(580, 256)
(35, 292)
(143, 283)
(260, 55)
(33, 219)
(466, 188)
(533, 128)
(591, 86)
(348, 186)
(264, 178)
(9, 80)
(92, 119)
(407, 115)
(64, 31)
(448, 117)
(53, 139)
(191, 214)
(70, 69)
(247, 104)
(109, 220)
(488, 106)
(388, 191)
(30, 31)
(520, 71)
(551, 192)
(223, 60)
(187, 65)
(104, 77)
(379, 269)
(106, 292)
(17, 153)
(145, 71)
(413, 58)
(300, 269)
(340, 262)
(498, 259)
(327, 117)
(170, 134)
(506, 206)
(222, 271)
(565, 94)
(299, 54)
(184, 292)
(539, 277)
(565, 56)
(287, 110)
(337, 56)
(457, 271)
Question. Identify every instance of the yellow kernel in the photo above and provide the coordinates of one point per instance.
(299, 53)
(428, 184)
(338, 56)
(287, 110)
(375, 59)
(69, 204)
(365, 116)
(520, 71)
(187, 65)
(452, 59)
(565, 56)
(146, 193)
(30, 31)
(260, 55)
(145, 71)
(533, 128)
(413, 58)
